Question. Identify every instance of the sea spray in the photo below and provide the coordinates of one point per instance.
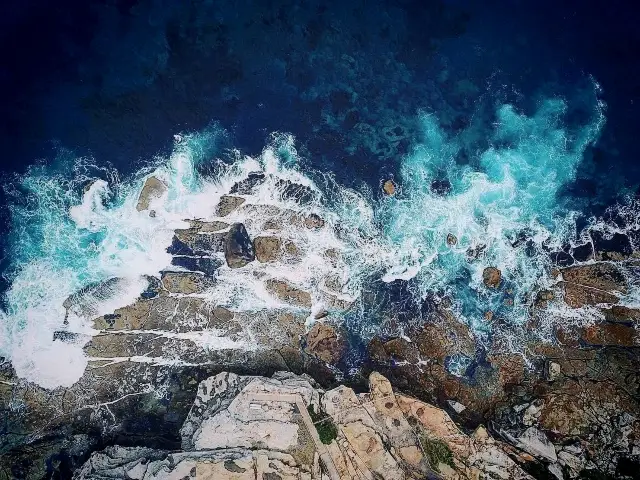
(501, 206)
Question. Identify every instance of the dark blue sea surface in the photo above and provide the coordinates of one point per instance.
(426, 92)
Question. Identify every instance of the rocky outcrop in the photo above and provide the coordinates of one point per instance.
(286, 427)
(228, 204)
(593, 284)
(238, 249)
(186, 283)
(288, 293)
(574, 410)
(325, 343)
(153, 189)
(267, 248)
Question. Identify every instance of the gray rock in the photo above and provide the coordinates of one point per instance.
(228, 204)
(246, 186)
(84, 302)
(536, 443)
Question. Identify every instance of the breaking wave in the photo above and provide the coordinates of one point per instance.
(448, 220)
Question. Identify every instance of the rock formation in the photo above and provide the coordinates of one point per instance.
(468, 408)
(285, 427)
(238, 249)
(153, 188)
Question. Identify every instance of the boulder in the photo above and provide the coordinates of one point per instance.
(389, 187)
(153, 188)
(238, 249)
(491, 277)
(228, 204)
(451, 239)
(287, 293)
(325, 343)
(267, 248)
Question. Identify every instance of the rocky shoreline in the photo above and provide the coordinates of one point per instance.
(566, 409)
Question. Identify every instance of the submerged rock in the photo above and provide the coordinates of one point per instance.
(84, 302)
(238, 249)
(153, 188)
(313, 221)
(441, 187)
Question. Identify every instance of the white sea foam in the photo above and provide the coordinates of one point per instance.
(511, 193)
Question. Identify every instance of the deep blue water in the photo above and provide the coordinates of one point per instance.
(116, 79)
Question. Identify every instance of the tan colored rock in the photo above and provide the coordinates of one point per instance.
(577, 296)
(324, 343)
(389, 187)
(602, 276)
(186, 283)
(451, 239)
(267, 249)
(173, 314)
(228, 204)
(287, 293)
(153, 188)
(491, 277)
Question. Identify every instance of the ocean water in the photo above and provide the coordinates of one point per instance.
(511, 138)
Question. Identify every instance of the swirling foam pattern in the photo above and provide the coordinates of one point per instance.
(503, 202)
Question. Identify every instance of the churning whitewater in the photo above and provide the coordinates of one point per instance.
(502, 208)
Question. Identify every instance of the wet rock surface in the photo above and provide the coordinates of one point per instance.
(468, 408)
(325, 343)
(152, 189)
(228, 204)
(238, 249)
(491, 277)
(571, 413)
(288, 293)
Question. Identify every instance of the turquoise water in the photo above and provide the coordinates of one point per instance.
(503, 201)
